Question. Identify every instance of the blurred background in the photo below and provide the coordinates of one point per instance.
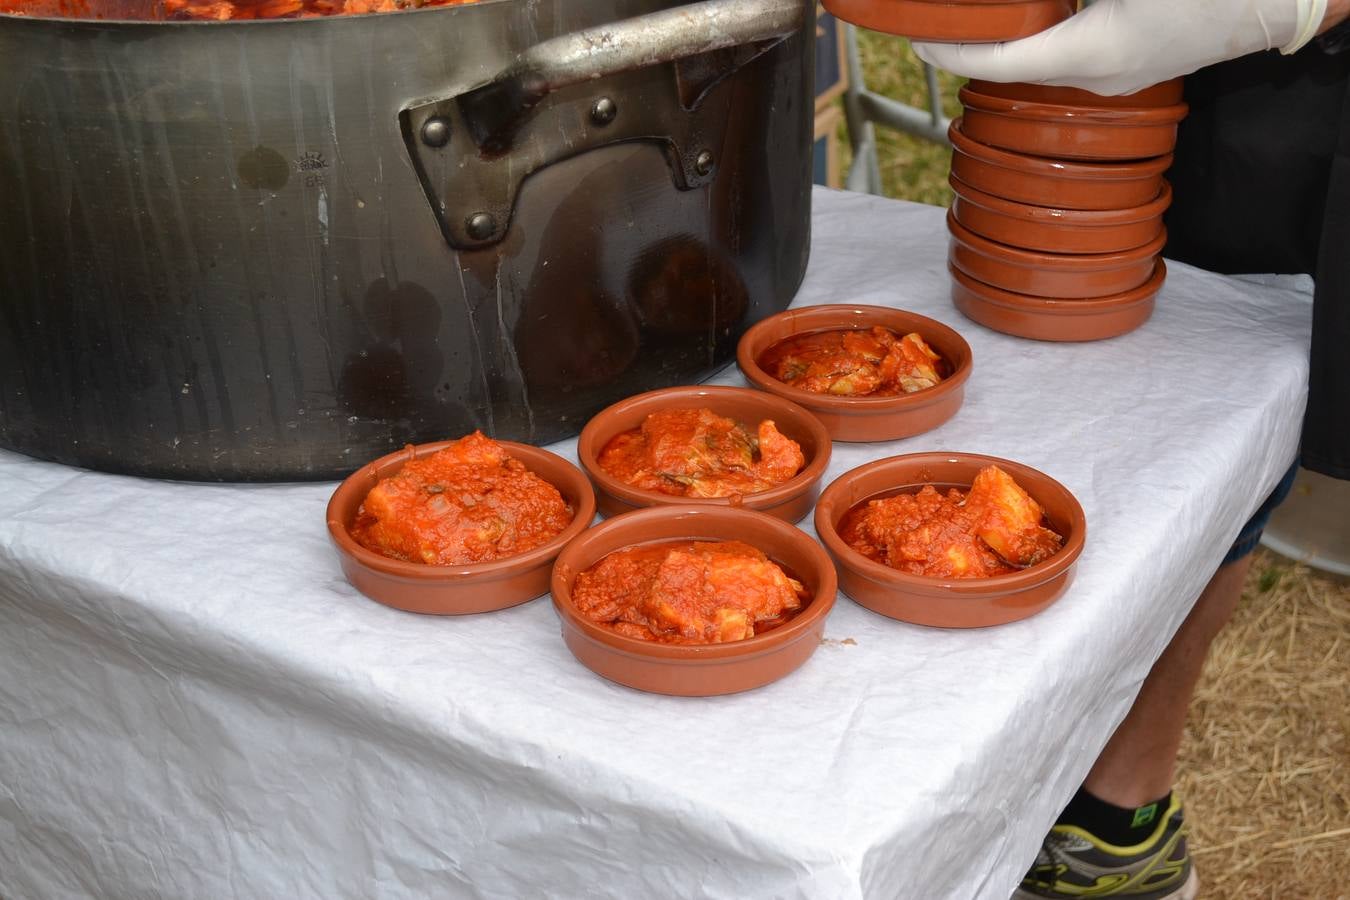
(1265, 770)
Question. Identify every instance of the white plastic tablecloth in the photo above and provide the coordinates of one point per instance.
(194, 703)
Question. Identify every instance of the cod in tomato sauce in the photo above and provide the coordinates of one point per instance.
(697, 453)
(992, 529)
(470, 502)
(688, 592)
(209, 10)
(873, 362)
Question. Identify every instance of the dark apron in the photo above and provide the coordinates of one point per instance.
(1262, 184)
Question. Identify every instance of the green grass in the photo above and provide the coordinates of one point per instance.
(911, 168)
(1270, 578)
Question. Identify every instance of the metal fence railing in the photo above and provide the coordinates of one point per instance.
(865, 109)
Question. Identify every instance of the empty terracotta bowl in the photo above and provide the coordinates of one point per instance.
(1165, 93)
(1054, 182)
(1057, 275)
(956, 602)
(862, 418)
(455, 590)
(790, 501)
(956, 20)
(1052, 230)
(1070, 132)
(697, 670)
(1046, 319)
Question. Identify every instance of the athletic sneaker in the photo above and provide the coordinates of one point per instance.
(1075, 864)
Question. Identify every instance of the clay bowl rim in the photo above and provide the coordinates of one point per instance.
(1049, 167)
(590, 442)
(749, 363)
(975, 3)
(1060, 263)
(604, 534)
(469, 573)
(947, 21)
(1168, 87)
(1060, 305)
(974, 588)
(1063, 216)
(1119, 116)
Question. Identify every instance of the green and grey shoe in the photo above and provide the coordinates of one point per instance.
(1075, 864)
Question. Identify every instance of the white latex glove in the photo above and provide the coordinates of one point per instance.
(1121, 46)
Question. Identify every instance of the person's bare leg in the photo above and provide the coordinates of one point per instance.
(1138, 763)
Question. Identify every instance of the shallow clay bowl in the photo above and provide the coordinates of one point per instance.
(862, 418)
(1052, 230)
(1070, 132)
(1164, 93)
(956, 602)
(960, 20)
(697, 670)
(791, 500)
(1054, 182)
(455, 590)
(1046, 319)
(1058, 275)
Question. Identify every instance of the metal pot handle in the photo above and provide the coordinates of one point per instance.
(653, 39)
(472, 148)
(659, 37)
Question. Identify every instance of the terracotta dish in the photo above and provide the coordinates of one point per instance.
(1070, 132)
(956, 21)
(1056, 320)
(791, 500)
(1053, 182)
(862, 418)
(455, 590)
(1165, 93)
(1057, 275)
(1053, 230)
(697, 670)
(948, 603)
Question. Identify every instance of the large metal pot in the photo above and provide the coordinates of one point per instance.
(276, 249)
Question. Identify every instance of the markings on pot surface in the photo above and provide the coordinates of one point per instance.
(311, 165)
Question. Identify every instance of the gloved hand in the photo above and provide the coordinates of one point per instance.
(1121, 46)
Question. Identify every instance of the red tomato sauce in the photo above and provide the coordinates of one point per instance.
(875, 362)
(688, 592)
(992, 529)
(467, 503)
(213, 10)
(697, 453)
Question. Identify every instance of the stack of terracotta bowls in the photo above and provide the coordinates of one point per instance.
(964, 21)
(1056, 225)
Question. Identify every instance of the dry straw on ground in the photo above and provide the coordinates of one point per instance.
(1265, 768)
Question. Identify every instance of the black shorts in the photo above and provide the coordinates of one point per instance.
(1261, 183)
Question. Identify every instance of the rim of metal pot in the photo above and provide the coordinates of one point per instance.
(228, 23)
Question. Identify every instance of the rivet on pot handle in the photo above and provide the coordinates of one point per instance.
(649, 40)
(476, 133)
